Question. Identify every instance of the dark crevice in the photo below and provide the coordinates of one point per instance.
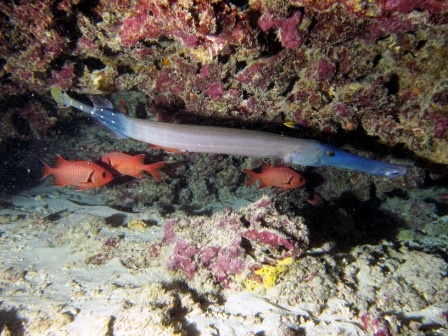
(57, 63)
(240, 4)
(124, 69)
(107, 51)
(392, 84)
(66, 25)
(376, 60)
(87, 8)
(253, 18)
(223, 59)
(93, 63)
(420, 45)
(240, 65)
(11, 320)
(140, 111)
(290, 86)
(271, 45)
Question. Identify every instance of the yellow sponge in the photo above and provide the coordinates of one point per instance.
(269, 275)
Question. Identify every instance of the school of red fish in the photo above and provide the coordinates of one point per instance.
(86, 174)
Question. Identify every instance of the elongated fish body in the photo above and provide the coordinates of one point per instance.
(221, 140)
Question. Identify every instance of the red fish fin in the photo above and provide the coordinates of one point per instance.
(85, 185)
(140, 157)
(265, 166)
(262, 185)
(59, 183)
(47, 170)
(167, 149)
(106, 160)
(139, 175)
(153, 169)
(60, 160)
(252, 177)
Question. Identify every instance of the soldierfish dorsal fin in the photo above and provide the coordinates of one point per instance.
(99, 102)
(60, 160)
(252, 177)
(265, 166)
(140, 157)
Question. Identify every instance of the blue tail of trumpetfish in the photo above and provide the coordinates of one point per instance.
(102, 110)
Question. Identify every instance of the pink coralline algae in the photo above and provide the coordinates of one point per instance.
(380, 8)
(183, 258)
(62, 77)
(376, 326)
(35, 21)
(252, 62)
(289, 35)
(227, 262)
(269, 238)
(151, 20)
(170, 235)
(325, 70)
(215, 91)
(440, 126)
(219, 246)
(404, 6)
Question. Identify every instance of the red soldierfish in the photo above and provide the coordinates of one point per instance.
(130, 165)
(168, 149)
(82, 174)
(280, 177)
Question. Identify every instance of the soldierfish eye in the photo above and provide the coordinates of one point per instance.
(330, 153)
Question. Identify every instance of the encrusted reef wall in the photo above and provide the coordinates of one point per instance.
(377, 68)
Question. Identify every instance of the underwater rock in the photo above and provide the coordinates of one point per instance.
(261, 61)
(232, 243)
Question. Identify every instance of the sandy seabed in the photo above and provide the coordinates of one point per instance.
(69, 266)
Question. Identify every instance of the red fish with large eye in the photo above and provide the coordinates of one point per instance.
(280, 177)
(134, 166)
(82, 174)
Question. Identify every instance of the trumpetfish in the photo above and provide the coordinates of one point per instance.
(222, 140)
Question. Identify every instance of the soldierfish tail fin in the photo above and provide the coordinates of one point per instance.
(153, 169)
(47, 170)
(59, 96)
(252, 177)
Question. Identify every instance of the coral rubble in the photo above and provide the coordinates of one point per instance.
(233, 242)
(70, 267)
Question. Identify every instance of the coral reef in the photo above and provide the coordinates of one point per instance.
(218, 248)
(65, 256)
(336, 68)
(200, 253)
